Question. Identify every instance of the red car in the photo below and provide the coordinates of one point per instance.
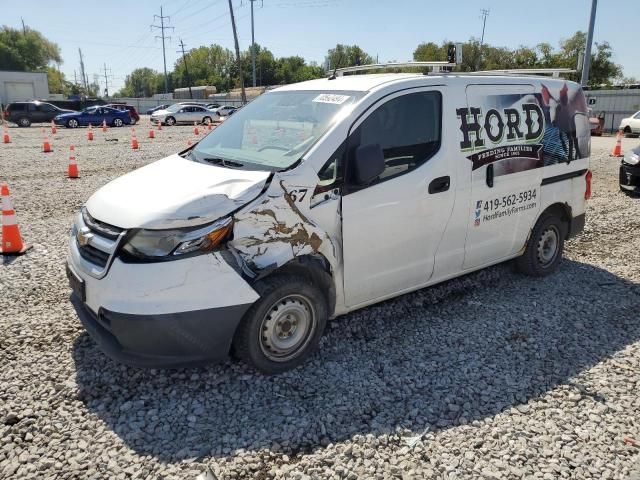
(133, 113)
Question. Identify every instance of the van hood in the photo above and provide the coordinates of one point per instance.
(174, 192)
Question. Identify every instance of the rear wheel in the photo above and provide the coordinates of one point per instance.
(24, 122)
(72, 123)
(117, 122)
(206, 120)
(283, 328)
(543, 252)
(170, 121)
(133, 121)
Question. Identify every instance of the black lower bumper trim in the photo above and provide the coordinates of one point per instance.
(163, 340)
(630, 178)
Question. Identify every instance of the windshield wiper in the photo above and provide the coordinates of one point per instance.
(223, 162)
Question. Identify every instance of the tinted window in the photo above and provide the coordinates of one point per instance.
(17, 107)
(637, 115)
(45, 107)
(408, 130)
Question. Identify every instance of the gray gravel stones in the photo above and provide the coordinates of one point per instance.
(492, 375)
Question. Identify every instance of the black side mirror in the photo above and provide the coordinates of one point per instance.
(368, 163)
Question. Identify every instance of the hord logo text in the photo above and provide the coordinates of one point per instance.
(527, 125)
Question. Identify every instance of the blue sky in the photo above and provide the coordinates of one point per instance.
(117, 33)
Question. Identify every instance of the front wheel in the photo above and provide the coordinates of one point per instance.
(117, 122)
(206, 120)
(72, 123)
(283, 328)
(543, 252)
(24, 122)
(170, 121)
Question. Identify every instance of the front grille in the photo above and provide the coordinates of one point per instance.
(100, 228)
(93, 255)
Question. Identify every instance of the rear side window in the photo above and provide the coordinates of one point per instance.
(17, 107)
(408, 128)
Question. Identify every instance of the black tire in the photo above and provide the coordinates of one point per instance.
(72, 123)
(284, 300)
(133, 122)
(206, 120)
(117, 122)
(170, 121)
(543, 252)
(24, 122)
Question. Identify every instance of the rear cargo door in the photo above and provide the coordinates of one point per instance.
(500, 133)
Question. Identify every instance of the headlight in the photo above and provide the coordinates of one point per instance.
(155, 244)
(631, 158)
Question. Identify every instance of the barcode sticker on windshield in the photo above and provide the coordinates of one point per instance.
(331, 98)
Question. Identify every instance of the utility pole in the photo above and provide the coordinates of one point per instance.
(82, 73)
(106, 82)
(253, 45)
(485, 13)
(186, 69)
(235, 38)
(162, 28)
(24, 29)
(584, 79)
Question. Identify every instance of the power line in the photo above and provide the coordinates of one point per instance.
(485, 14)
(186, 69)
(164, 55)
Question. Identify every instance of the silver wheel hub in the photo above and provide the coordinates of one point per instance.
(548, 246)
(287, 328)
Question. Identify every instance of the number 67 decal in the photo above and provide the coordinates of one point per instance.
(298, 195)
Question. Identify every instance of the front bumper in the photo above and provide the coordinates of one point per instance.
(165, 314)
(630, 177)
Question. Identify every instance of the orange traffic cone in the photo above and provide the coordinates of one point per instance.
(54, 130)
(134, 140)
(196, 132)
(104, 125)
(152, 134)
(90, 133)
(72, 171)
(5, 137)
(189, 142)
(159, 125)
(12, 242)
(46, 145)
(209, 125)
(617, 150)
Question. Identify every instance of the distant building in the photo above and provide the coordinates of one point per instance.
(21, 86)
(200, 92)
(613, 105)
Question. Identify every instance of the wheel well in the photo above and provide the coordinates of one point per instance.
(627, 129)
(562, 210)
(317, 270)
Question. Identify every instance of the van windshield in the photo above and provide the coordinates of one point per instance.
(274, 130)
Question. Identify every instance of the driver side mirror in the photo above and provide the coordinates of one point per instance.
(368, 163)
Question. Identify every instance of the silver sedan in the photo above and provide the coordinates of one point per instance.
(179, 113)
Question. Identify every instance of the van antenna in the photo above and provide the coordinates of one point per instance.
(333, 75)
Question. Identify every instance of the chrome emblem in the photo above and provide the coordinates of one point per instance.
(83, 236)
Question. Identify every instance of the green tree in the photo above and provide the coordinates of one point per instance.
(57, 82)
(142, 82)
(426, 52)
(26, 51)
(295, 69)
(212, 65)
(347, 56)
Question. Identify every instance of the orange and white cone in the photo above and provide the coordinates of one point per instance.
(134, 140)
(152, 134)
(5, 136)
(12, 242)
(209, 125)
(196, 132)
(72, 171)
(189, 142)
(90, 133)
(46, 144)
(617, 149)
(159, 125)
(104, 125)
(54, 130)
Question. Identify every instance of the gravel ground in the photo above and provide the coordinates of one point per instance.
(493, 375)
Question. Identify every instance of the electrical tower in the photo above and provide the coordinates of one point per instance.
(235, 38)
(485, 14)
(82, 73)
(162, 28)
(106, 81)
(186, 69)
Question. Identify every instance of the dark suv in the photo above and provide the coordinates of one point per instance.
(26, 113)
(133, 113)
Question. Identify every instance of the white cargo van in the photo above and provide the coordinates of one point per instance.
(323, 197)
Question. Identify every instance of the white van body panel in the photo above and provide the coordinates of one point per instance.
(173, 193)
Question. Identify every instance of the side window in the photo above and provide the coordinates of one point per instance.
(637, 116)
(45, 107)
(408, 128)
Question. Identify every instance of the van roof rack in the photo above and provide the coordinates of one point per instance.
(438, 68)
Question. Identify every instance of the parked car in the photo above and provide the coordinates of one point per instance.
(155, 109)
(225, 110)
(320, 198)
(631, 125)
(212, 106)
(133, 113)
(184, 113)
(26, 113)
(95, 116)
(630, 171)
